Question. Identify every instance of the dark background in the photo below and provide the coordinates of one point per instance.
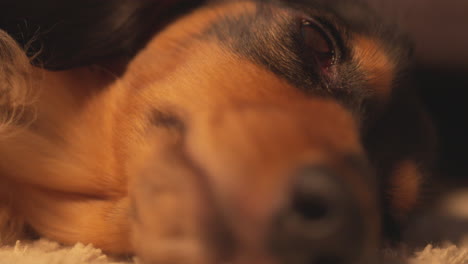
(439, 29)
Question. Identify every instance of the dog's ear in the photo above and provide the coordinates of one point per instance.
(63, 34)
(406, 162)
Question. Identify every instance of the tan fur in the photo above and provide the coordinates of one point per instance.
(405, 187)
(16, 95)
(64, 163)
(374, 61)
(94, 168)
(16, 111)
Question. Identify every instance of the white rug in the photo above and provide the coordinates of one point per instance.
(48, 252)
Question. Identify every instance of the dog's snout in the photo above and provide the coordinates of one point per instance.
(320, 224)
(284, 184)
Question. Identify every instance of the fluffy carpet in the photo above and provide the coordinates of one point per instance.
(48, 252)
(456, 205)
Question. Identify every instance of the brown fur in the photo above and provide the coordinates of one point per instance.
(379, 69)
(405, 187)
(150, 164)
(15, 105)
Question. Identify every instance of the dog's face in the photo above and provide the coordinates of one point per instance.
(253, 146)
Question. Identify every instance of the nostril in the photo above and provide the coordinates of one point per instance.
(321, 222)
(316, 195)
(310, 207)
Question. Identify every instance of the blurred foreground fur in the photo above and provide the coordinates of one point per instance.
(15, 91)
(246, 131)
(16, 112)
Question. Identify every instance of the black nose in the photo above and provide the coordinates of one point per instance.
(321, 224)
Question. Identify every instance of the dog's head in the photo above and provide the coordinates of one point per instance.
(253, 142)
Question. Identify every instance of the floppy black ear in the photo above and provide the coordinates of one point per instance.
(63, 34)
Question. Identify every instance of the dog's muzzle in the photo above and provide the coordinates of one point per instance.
(272, 185)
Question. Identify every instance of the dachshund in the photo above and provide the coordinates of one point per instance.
(253, 131)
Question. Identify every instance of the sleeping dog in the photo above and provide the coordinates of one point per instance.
(243, 132)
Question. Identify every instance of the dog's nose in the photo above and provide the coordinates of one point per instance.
(321, 224)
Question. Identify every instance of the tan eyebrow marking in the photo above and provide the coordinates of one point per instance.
(379, 69)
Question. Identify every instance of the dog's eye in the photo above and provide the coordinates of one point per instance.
(317, 43)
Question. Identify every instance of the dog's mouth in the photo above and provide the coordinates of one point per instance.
(257, 185)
